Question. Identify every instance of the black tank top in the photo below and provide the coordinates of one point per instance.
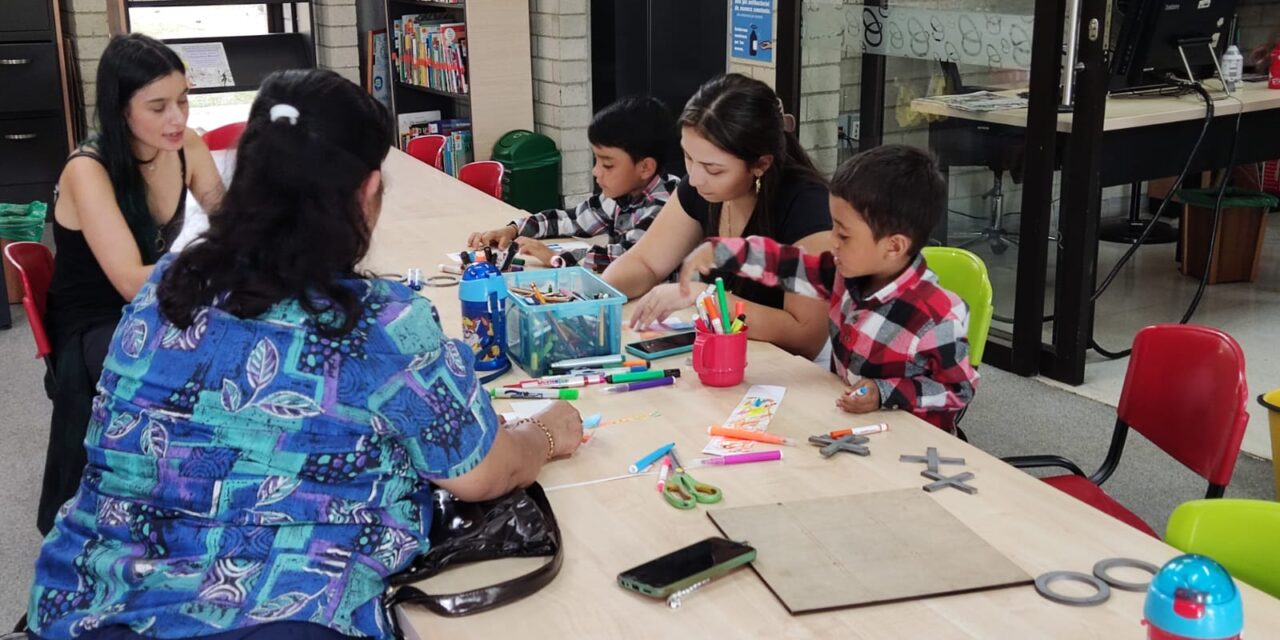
(80, 294)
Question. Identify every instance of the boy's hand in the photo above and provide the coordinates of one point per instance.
(482, 239)
(701, 261)
(863, 397)
(536, 249)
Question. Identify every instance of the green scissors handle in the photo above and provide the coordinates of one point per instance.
(682, 491)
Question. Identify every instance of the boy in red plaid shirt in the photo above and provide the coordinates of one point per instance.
(898, 339)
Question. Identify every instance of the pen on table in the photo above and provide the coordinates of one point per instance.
(756, 436)
(742, 458)
(558, 382)
(647, 461)
(651, 374)
(860, 431)
(663, 472)
(450, 269)
(615, 359)
(611, 371)
(643, 384)
(534, 394)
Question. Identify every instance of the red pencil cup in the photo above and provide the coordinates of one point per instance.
(720, 360)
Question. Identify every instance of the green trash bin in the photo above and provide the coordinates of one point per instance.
(532, 177)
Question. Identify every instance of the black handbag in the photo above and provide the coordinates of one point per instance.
(517, 525)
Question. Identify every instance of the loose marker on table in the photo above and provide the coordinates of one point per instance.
(742, 458)
(647, 461)
(744, 434)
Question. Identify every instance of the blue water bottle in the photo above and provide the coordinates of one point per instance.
(484, 315)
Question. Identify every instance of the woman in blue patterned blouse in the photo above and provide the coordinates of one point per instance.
(269, 422)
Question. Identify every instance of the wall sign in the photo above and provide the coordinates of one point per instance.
(751, 30)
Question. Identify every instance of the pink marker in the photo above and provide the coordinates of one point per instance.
(663, 472)
(741, 458)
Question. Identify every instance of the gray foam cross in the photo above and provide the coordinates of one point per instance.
(849, 444)
(931, 459)
(953, 482)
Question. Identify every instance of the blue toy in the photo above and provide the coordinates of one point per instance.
(1193, 598)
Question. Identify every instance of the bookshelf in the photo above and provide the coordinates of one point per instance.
(492, 76)
(250, 58)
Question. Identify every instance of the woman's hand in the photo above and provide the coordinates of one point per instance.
(660, 302)
(482, 239)
(536, 249)
(700, 262)
(565, 424)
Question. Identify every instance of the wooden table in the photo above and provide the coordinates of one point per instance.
(1127, 111)
(613, 526)
(1142, 138)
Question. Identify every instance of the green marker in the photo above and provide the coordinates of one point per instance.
(724, 305)
(638, 376)
(534, 394)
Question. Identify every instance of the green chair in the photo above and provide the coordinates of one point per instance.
(1242, 535)
(964, 274)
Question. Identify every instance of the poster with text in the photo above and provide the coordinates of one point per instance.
(751, 30)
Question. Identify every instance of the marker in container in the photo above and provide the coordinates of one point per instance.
(743, 458)
(860, 431)
(534, 394)
(594, 361)
(643, 384)
(663, 472)
(744, 434)
(644, 463)
(652, 374)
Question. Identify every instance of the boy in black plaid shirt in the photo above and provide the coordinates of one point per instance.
(630, 139)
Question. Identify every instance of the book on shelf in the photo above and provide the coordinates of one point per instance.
(430, 50)
(457, 149)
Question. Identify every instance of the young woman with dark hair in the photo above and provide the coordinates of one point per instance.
(748, 175)
(120, 203)
(271, 421)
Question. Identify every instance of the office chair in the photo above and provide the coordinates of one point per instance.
(1185, 391)
(1240, 535)
(997, 147)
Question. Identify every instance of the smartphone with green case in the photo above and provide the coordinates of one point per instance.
(663, 347)
(682, 568)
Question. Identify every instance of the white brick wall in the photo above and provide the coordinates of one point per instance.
(337, 44)
(562, 87)
(822, 41)
(86, 22)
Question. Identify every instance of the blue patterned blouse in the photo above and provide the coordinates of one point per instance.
(251, 471)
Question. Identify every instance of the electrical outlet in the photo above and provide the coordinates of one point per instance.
(855, 131)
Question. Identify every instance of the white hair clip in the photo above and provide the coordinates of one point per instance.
(284, 111)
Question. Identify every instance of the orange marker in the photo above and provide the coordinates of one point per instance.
(635, 363)
(860, 431)
(739, 309)
(743, 434)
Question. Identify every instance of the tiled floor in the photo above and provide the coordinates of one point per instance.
(1151, 290)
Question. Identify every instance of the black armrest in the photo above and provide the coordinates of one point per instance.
(1036, 462)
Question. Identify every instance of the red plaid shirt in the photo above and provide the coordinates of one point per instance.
(910, 337)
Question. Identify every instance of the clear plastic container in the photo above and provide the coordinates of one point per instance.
(540, 334)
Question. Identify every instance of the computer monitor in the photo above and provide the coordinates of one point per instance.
(1160, 38)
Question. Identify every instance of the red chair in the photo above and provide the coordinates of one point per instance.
(224, 137)
(1185, 391)
(485, 175)
(427, 149)
(34, 263)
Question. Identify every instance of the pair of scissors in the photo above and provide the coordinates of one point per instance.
(682, 491)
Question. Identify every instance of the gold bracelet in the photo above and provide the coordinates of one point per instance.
(551, 441)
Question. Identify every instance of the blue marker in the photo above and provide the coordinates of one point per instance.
(644, 463)
(592, 421)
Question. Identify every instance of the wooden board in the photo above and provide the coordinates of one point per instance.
(865, 549)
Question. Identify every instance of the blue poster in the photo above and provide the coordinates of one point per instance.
(751, 25)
